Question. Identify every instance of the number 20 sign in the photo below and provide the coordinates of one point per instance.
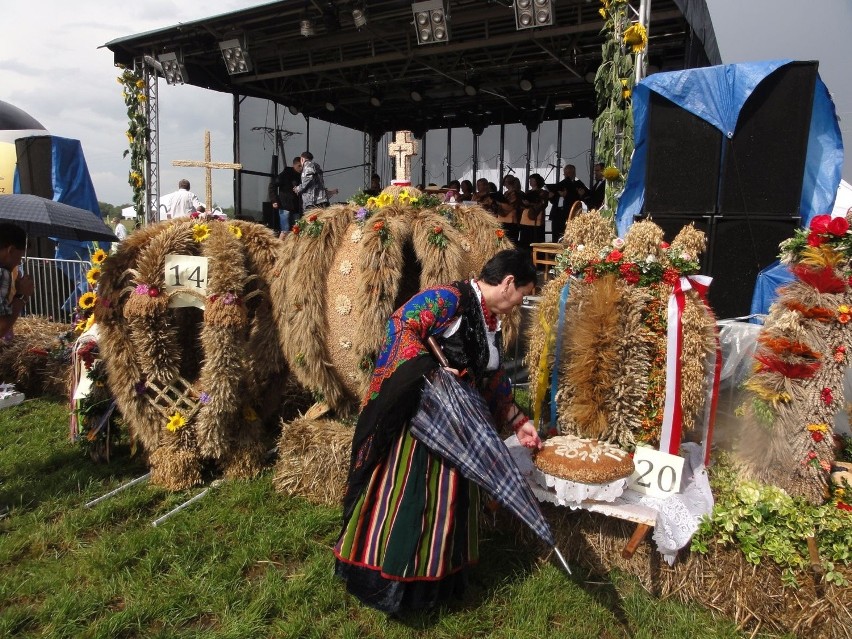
(186, 274)
(657, 474)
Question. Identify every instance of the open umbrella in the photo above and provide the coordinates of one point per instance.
(453, 421)
(46, 218)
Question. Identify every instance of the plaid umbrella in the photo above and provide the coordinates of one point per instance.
(454, 422)
(46, 218)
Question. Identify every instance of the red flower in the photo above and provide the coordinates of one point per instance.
(500, 233)
(312, 217)
(410, 350)
(671, 276)
(296, 229)
(815, 239)
(153, 291)
(427, 318)
(838, 226)
(817, 436)
(614, 256)
(664, 245)
(378, 226)
(844, 506)
(819, 224)
(826, 396)
(438, 229)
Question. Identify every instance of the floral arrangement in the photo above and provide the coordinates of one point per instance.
(84, 313)
(673, 263)
(437, 237)
(133, 92)
(310, 225)
(614, 87)
(797, 382)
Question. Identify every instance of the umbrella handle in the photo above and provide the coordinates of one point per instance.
(437, 351)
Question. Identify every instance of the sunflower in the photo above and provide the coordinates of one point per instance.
(200, 232)
(99, 256)
(93, 275)
(89, 322)
(636, 37)
(611, 173)
(235, 230)
(87, 300)
(175, 423)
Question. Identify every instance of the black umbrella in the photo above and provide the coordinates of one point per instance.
(46, 218)
(453, 421)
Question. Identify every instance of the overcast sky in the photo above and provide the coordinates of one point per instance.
(52, 68)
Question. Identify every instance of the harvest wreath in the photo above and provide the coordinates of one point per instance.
(193, 386)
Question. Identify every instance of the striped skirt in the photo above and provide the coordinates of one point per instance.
(417, 519)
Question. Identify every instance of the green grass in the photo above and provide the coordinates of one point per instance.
(248, 562)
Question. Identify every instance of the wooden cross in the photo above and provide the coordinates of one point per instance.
(208, 167)
(403, 148)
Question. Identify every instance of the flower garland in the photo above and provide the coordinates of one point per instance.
(310, 226)
(614, 87)
(133, 92)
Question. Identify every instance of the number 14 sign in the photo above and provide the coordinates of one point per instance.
(657, 474)
(187, 276)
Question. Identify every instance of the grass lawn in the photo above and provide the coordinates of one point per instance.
(246, 562)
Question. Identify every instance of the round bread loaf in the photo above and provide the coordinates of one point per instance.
(586, 461)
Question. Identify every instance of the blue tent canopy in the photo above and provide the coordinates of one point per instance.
(717, 95)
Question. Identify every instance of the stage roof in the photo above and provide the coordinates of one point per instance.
(348, 66)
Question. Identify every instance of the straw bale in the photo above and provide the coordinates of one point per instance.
(313, 458)
(33, 360)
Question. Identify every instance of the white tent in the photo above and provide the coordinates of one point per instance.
(843, 201)
(128, 212)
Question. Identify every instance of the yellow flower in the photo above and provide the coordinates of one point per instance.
(636, 37)
(611, 173)
(99, 256)
(235, 230)
(176, 422)
(200, 232)
(142, 98)
(372, 202)
(404, 197)
(140, 84)
(822, 428)
(249, 414)
(843, 308)
(80, 326)
(414, 200)
(93, 275)
(87, 300)
(602, 11)
(89, 322)
(385, 199)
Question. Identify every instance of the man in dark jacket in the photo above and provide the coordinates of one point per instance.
(287, 203)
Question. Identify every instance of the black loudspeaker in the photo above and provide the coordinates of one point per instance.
(35, 165)
(764, 162)
(739, 248)
(684, 156)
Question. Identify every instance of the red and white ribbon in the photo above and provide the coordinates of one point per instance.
(672, 413)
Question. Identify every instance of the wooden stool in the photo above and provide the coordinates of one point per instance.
(544, 254)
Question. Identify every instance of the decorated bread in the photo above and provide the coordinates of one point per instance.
(586, 461)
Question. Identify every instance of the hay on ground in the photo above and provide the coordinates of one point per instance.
(35, 360)
(313, 457)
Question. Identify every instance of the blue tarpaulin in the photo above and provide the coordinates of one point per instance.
(717, 95)
(72, 185)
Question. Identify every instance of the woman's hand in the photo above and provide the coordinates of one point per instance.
(528, 436)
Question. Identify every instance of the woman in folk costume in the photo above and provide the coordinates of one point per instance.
(410, 518)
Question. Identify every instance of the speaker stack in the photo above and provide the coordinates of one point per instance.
(744, 192)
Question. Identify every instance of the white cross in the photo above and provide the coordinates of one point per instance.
(403, 148)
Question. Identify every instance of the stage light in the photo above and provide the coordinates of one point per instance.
(330, 105)
(236, 57)
(173, 68)
(359, 16)
(416, 95)
(526, 82)
(375, 99)
(430, 21)
(470, 89)
(533, 13)
(293, 109)
(306, 27)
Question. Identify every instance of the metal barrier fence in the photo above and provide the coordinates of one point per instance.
(58, 286)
